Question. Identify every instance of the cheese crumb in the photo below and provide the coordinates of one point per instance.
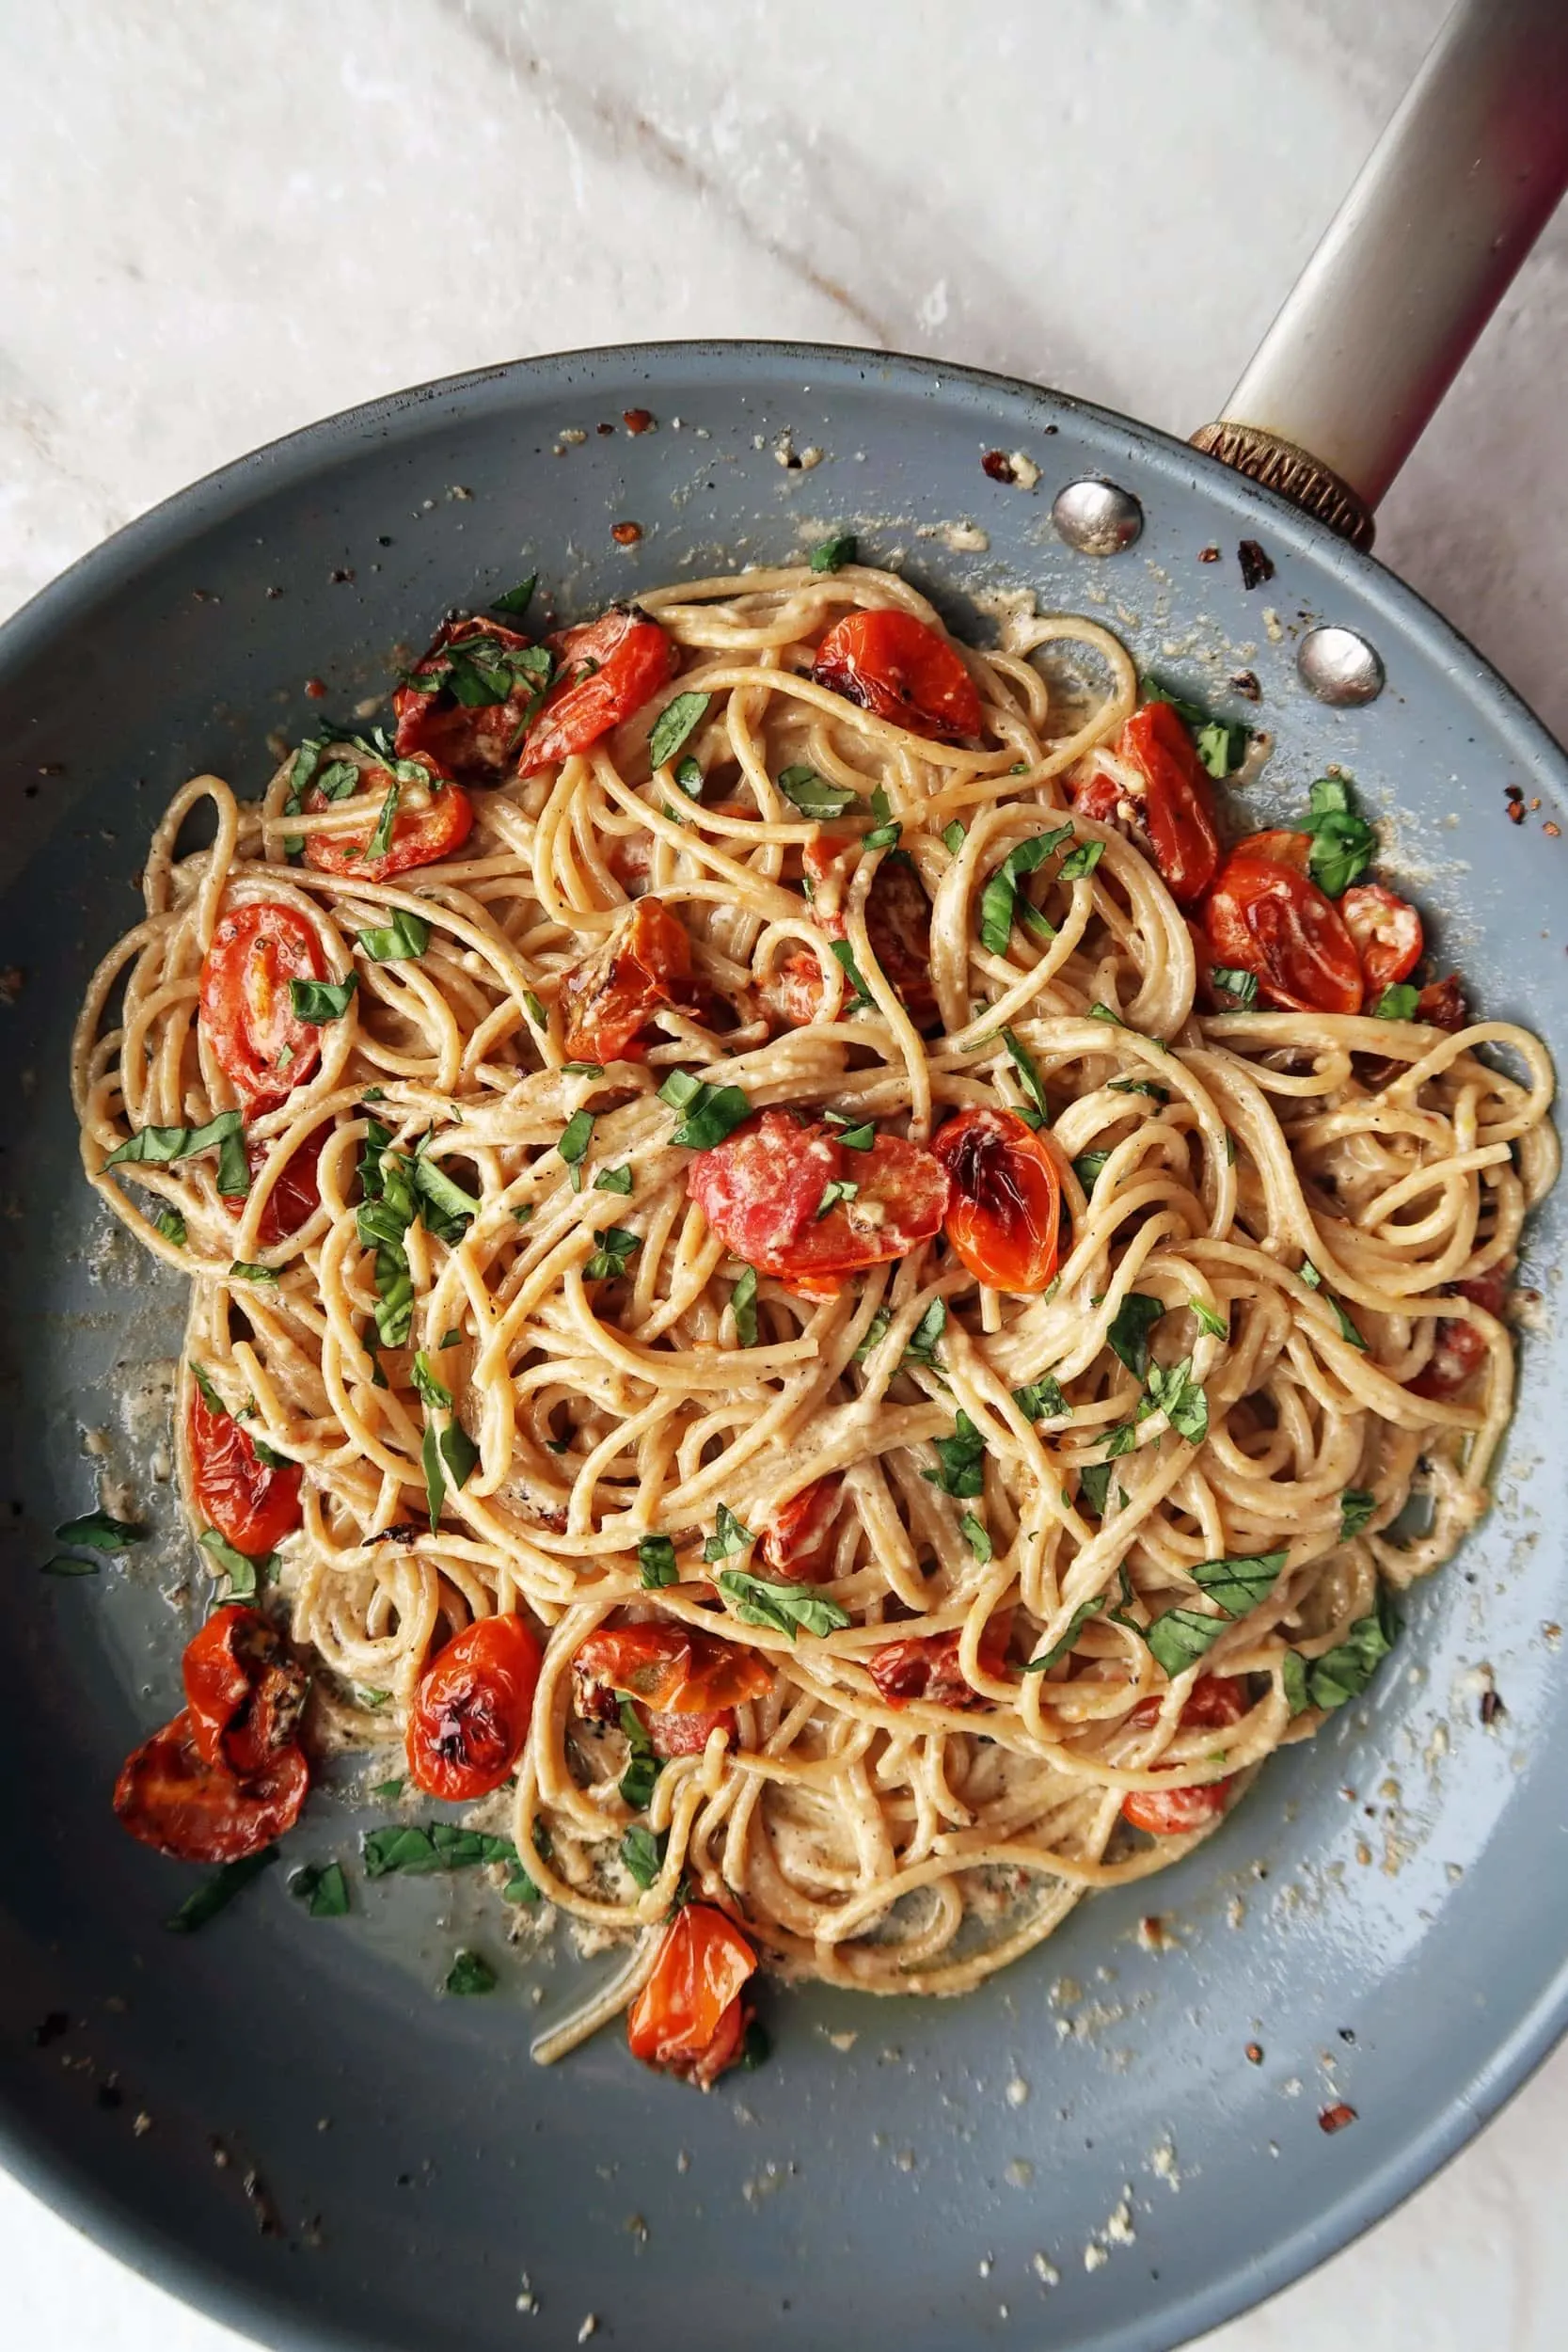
(1026, 473)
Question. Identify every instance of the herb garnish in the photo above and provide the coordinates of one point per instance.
(1094, 1483)
(642, 1770)
(319, 1001)
(1344, 1671)
(171, 1225)
(743, 1306)
(1130, 1328)
(656, 1562)
(813, 795)
(242, 1571)
(708, 1112)
(218, 1892)
(1178, 1397)
(954, 838)
(1242, 987)
(426, 1387)
(1398, 1002)
(470, 1972)
(1356, 1507)
(397, 942)
(831, 555)
(1343, 844)
(674, 722)
(574, 1138)
(1140, 1085)
(1217, 1326)
(158, 1146)
(1075, 1624)
(1042, 1400)
(1080, 862)
(974, 1534)
(97, 1530)
(1088, 1167)
(643, 1854)
(1221, 742)
(730, 1536)
(515, 600)
(322, 1890)
(785, 1608)
(615, 1250)
(613, 1179)
(1182, 1636)
(1310, 1276)
(845, 955)
(1033, 1084)
(380, 841)
(415, 1849)
(962, 1458)
(1001, 902)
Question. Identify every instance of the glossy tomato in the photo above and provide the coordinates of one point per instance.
(243, 1692)
(793, 991)
(896, 667)
(1167, 802)
(925, 1666)
(1003, 1211)
(1386, 931)
(670, 1669)
(295, 1198)
(607, 670)
(473, 742)
(252, 1504)
(431, 820)
(605, 1000)
(798, 1545)
(168, 1796)
(1214, 1702)
(766, 1193)
(1280, 847)
(687, 1735)
(690, 2018)
(471, 1711)
(1267, 919)
(1442, 1003)
(1459, 1347)
(247, 1015)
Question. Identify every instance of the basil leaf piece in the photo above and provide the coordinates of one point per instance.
(217, 1893)
(1127, 1335)
(97, 1530)
(1356, 1507)
(1182, 1636)
(1042, 1400)
(709, 1113)
(674, 722)
(689, 776)
(335, 781)
(883, 837)
(324, 1890)
(269, 1454)
(656, 1562)
(435, 1477)
(458, 1452)
(974, 1534)
(1080, 862)
(1310, 1274)
(638, 1781)
(954, 838)
(388, 1789)
(831, 555)
(1034, 1086)
(383, 1218)
(730, 1535)
(242, 1572)
(1398, 1002)
(61, 1566)
(921, 1348)
(172, 1227)
(444, 1207)
(583, 1069)
(875, 1332)
(613, 1180)
(1088, 1167)
(1178, 1397)
(1343, 1673)
(1075, 1624)
(743, 1306)
(381, 840)
(158, 1146)
(1221, 743)
(643, 1854)
(418, 1849)
(813, 795)
(609, 1261)
(1240, 1585)
(999, 900)
(426, 1387)
(470, 1973)
(1094, 1485)
(845, 955)
(536, 1012)
(1343, 844)
(1122, 1440)
(1292, 1676)
(1141, 1086)
(861, 1138)
(1217, 1325)
(790, 1609)
(1242, 987)
(241, 1270)
(397, 942)
(574, 1138)
(962, 1456)
(515, 600)
(452, 1338)
(838, 1189)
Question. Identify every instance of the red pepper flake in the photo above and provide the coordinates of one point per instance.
(1256, 566)
(625, 535)
(1491, 1708)
(1335, 2118)
(1517, 812)
(1209, 555)
(1513, 792)
(636, 420)
(1255, 2053)
(1245, 682)
(603, 428)
(316, 689)
(998, 465)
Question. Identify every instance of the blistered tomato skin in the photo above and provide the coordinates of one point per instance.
(1169, 801)
(669, 1669)
(424, 833)
(607, 997)
(243, 1692)
(471, 1711)
(168, 1796)
(608, 669)
(690, 2018)
(248, 1015)
(1387, 934)
(797, 1548)
(1004, 1213)
(899, 669)
(762, 1191)
(1265, 917)
(252, 1503)
(295, 1198)
(476, 743)
(925, 1667)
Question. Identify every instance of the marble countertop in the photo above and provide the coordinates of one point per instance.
(220, 223)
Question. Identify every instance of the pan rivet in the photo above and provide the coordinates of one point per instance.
(1096, 517)
(1339, 666)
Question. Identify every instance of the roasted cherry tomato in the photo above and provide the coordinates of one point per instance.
(1459, 1347)
(432, 821)
(1280, 847)
(899, 925)
(243, 1692)
(798, 1545)
(1386, 931)
(687, 1735)
(690, 2018)
(1171, 807)
(1214, 1702)
(295, 1197)
(171, 1797)
(1267, 919)
(607, 670)
(669, 1669)
(763, 1189)
(252, 1505)
(247, 1016)
(605, 1000)
(1004, 1209)
(925, 1666)
(471, 1711)
(792, 993)
(1442, 1003)
(473, 742)
(896, 667)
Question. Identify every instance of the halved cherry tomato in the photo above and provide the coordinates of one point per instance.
(295, 1197)
(1003, 1212)
(246, 1012)
(1280, 847)
(899, 925)
(252, 1505)
(424, 830)
(895, 666)
(471, 1711)
(1172, 805)
(1459, 1346)
(473, 742)
(1267, 919)
(925, 1666)
(168, 1796)
(670, 1669)
(243, 1692)
(605, 1000)
(609, 669)
(762, 1191)
(1214, 1703)
(687, 1735)
(799, 1547)
(792, 993)
(1442, 1003)
(1386, 931)
(690, 2018)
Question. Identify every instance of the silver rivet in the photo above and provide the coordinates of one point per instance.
(1096, 517)
(1339, 666)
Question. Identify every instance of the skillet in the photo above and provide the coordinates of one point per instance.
(1080, 2152)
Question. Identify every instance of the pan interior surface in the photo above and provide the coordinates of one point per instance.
(333, 2152)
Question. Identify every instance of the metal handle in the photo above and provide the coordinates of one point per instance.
(1415, 261)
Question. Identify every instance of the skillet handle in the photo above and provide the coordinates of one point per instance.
(1419, 254)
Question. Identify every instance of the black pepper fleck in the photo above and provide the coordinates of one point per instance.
(1257, 566)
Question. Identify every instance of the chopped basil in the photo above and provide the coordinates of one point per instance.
(813, 795)
(416, 1849)
(674, 722)
(172, 1227)
(157, 1146)
(61, 1566)
(1178, 1395)
(1106, 1012)
(1221, 743)
(838, 1189)
(582, 1069)
(574, 1138)
(397, 942)
(319, 1001)
(708, 1112)
(1292, 1676)
(1034, 1086)
(1239, 986)
(1130, 1328)
(380, 841)
(1141, 1086)
(999, 900)
(1310, 1274)
(337, 780)
(1094, 1483)
(1344, 1671)
(882, 837)
(613, 1180)
(1240, 1585)
(974, 1534)
(1356, 1507)
(1398, 1002)
(1042, 1400)
(269, 1454)
(452, 1339)
(243, 1270)
(390, 1790)
(962, 1458)
(1181, 1636)
(371, 1698)
(861, 1138)
(435, 1477)
(1120, 1441)
(426, 1387)
(96, 1530)
(1075, 1624)
(515, 600)
(689, 776)
(743, 1306)
(954, 838)
(875, 1332)
(656, 1562)
(1216, 1325)
(1343, 844)
(729, 1537)
(323, 1891)
(536, 1012)
(787, 1608)
(642, 1773)
(844, 955)
(470, 1972)
(615, 1250)
(922, 1345)
(383, 1218)
(1080, 862)
(643, 1854)
(831, 555)
(242, 1571)
(1088, 1167)
(217, 1893)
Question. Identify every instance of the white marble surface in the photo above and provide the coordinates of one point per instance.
(218, 221)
